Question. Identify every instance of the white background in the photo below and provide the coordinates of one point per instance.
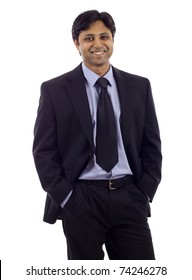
(153, 39)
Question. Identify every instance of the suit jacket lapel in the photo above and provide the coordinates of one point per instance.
(78, 95)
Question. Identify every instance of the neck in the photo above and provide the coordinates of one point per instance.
(99, 70)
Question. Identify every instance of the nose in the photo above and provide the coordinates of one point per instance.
(97, 42)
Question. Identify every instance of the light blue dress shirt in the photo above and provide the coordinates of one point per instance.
(93, 171)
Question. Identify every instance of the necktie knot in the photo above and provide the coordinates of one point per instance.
(102, 82)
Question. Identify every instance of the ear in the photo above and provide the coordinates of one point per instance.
(76, 42)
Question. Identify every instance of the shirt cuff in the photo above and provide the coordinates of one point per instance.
(66, 199)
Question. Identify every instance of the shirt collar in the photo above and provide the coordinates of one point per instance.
(92, 77)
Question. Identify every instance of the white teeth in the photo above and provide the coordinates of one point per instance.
(98, 53)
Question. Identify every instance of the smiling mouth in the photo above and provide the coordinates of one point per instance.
(98, 52)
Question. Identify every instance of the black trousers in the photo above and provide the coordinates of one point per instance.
(96, 215)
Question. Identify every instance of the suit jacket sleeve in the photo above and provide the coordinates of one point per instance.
(45, 151)
(151, 157)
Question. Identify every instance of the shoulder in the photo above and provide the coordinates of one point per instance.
(129, 77)
(63, 79)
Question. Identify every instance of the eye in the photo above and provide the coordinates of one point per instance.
(89, 39)
(105, 37)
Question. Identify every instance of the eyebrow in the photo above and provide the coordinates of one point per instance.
(104, 33)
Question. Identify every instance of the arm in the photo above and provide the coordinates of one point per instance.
(45, 151)
(151, 158)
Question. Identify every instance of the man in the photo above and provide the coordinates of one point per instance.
(99, 180)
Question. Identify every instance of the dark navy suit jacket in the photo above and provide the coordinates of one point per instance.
(63, 135)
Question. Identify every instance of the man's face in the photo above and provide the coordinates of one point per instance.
(95, 46)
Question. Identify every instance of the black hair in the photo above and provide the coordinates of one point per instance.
(83, 21)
